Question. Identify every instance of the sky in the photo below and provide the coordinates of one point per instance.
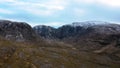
(59, 12)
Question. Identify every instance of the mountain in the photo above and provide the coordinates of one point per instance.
(102, 40)
(45, 31)
(91, 36)
(96, 37)
(87, 24)
(18, 31)
(69, 46)
(66, 31)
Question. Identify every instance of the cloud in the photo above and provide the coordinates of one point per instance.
(46, 8)
(85, 1)
(4, 11)
(109, 3)
(2, 1)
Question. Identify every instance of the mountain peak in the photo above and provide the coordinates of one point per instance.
(87, 24)
(19, 31)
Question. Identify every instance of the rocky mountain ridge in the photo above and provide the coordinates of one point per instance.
(19, 31)
(87, 24)
(93, 37)
(45, 31)
(76, 28)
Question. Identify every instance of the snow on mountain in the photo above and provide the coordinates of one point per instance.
(88, 23)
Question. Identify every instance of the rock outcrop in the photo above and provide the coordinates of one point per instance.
(85, 36)
(18, 31)
(71, 30)
(45, 31)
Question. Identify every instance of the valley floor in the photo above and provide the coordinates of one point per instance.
(54, 55)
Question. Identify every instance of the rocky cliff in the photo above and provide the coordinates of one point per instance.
(18, 31)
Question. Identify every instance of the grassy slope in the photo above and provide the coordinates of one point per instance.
(48, 55)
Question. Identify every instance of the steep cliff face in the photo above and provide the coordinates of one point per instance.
(69, 30)
(18, 31)
(87, 35)
(45, 31)
(59, 33)
(96, 37)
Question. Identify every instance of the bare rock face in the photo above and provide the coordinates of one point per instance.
(67, 31)
(45, 31)
(18, 31)
(62, 32)
(86, 36)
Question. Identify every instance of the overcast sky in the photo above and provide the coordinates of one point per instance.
(58, 12)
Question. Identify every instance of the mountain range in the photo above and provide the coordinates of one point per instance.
(90, 44)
